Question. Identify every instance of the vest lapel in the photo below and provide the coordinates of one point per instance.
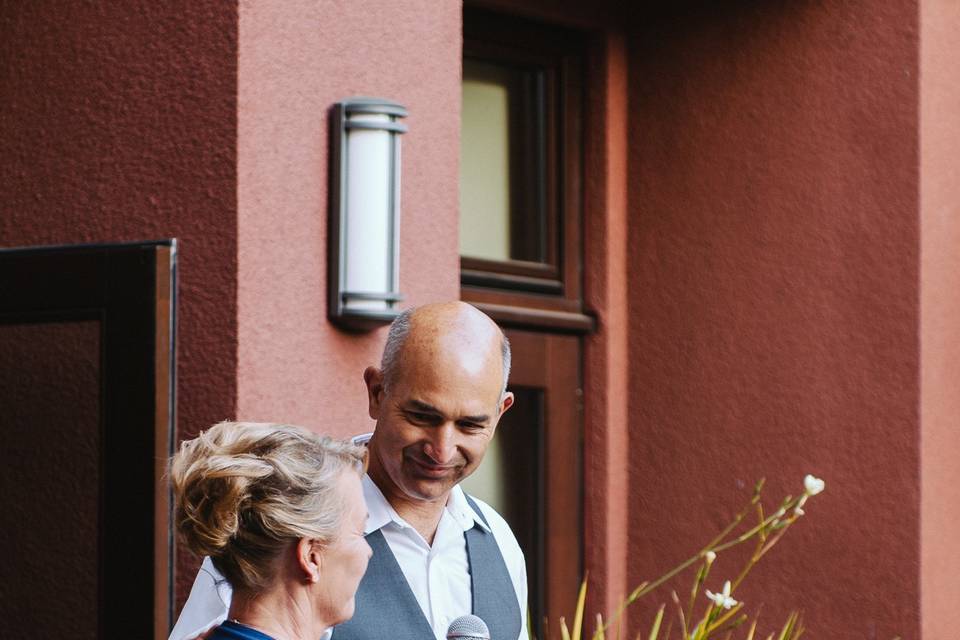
(494, 598)
(386, 607)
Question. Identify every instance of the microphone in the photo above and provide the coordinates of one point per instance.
(468, 627)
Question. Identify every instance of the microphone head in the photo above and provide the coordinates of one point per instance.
(468, 627)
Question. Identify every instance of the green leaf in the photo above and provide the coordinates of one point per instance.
(599, 634)
(575, 633)
(787, 630)
(669, 632)
(699, 631)
(758, 488)
(636, 592)
(655, 630)
(715, 624)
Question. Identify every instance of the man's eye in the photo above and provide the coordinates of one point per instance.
(421, 417)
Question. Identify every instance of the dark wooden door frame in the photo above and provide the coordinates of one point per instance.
(552, 362)
(131, 289)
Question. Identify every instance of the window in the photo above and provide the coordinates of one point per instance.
(520, 209)
(502, 199)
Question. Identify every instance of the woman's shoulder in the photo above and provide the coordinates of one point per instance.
(230, 630)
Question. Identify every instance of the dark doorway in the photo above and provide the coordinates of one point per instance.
(532, 471)
(86, 421)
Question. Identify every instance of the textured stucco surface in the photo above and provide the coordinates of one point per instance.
(789, 249)
(606, 357)
(118, 122)
(940, 316)
(774, 312)
(297, 59)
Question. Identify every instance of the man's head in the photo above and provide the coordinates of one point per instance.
(437, 398)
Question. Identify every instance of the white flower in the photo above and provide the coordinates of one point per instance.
(813, 485)
(710, 556)
(723, 599)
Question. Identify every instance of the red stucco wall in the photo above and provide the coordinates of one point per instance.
(773, 260)
(606, 356)
(940, 317)
(774, 310)
(298, 58)
(118, 122)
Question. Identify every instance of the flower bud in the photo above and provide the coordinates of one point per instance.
(812, 485)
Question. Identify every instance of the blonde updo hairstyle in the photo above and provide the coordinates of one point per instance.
(244, 491)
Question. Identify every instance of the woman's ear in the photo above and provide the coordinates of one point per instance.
(309, 559)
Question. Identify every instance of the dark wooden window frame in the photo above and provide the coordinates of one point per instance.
(544, 294)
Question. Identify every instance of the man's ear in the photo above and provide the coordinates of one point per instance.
(506, 402)
(308, 558)
(373, 378)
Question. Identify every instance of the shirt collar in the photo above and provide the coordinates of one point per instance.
(380, 513)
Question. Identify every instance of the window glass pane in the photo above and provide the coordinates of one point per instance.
(485, 162)
(501, 180)
(511, 481)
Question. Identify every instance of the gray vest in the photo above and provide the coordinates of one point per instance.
(386, 608)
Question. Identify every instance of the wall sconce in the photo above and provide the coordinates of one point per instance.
(364, 240)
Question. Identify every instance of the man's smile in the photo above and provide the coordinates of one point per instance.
(428, 468)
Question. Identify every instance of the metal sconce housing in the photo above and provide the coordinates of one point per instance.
(364, 269)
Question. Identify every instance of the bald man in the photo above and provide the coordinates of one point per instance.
(438, 553)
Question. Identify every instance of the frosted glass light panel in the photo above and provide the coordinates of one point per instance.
(370, 210)
(501, 215)
(365, 212)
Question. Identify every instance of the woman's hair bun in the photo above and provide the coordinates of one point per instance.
(243, 490)
(214, 484)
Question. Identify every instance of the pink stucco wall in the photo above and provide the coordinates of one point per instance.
(296, 59)
(939, 317)
(774, 269)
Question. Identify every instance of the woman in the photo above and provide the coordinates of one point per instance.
(280, 511)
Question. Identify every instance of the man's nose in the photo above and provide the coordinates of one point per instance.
(441, 445)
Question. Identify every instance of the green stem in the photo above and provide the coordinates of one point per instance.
(716, 545)
(752, 532)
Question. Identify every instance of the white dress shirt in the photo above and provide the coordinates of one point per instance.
(438, 574)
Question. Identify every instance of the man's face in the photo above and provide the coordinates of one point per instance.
(434, 423)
